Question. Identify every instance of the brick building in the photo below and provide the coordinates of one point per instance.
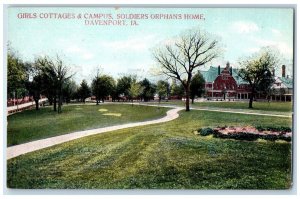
(224, 83)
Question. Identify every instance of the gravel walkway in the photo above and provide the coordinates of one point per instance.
(17, 150)
(227, 110)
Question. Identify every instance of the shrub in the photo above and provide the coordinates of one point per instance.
(205, 131)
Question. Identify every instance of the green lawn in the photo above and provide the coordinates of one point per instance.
(262, 106)
(33, 125)
(166, 155)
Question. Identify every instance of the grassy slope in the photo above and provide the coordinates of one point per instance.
(161, 156)
(261, 106)
(33, 125)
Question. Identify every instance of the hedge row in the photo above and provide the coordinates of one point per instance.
(272, 128)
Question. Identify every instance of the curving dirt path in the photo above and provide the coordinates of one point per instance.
(20, 149)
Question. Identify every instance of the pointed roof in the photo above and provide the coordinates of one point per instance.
(212, 73)
(288, 82)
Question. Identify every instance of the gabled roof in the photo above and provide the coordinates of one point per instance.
(212, 73)
(288, 82)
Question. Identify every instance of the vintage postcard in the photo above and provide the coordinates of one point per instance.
(137, 97)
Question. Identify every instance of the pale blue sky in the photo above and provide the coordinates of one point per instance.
(127, 49)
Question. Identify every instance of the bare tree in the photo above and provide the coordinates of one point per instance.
(179, 59)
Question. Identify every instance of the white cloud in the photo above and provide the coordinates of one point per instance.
(84, 53)
(282, 46)
(252, 50)
(244, 27)
(73, 49)
(87, 55)
(276, 32)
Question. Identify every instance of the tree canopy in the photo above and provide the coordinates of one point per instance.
(197, 86)
(102, 86)
(163, 89)
(256, 70)
(84, 90)
(54, 74)
(135, 90)
(17, 74)
(148, 90)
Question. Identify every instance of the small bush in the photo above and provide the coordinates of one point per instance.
(237, 136)
(205, 131)
(270, 137)
(273, 128)
(288, 139)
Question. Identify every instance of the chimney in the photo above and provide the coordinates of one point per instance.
(283, 70)
(219, 70)
(273, 72)
(230, 71)
(227, 65)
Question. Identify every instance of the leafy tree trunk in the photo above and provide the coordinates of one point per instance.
(36, 104)
(193, 100)
(50, 99)
(59, 103)
(54, 103)
(251, 98)
(187, 98)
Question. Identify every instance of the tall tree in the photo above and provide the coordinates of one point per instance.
(256, 70)
(163, 88)
(35, 89)
(84, 90)
(17, 74)
(191, 50)
(148, 90)
(135, 90)
(69, 90)
(177, 90)
(102, 87)
(123, 85)
(56, 74)
(265, 86)
(197, 86)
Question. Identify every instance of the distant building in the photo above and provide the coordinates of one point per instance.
(282, 87)
(224, 83)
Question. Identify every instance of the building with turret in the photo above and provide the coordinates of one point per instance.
(224, 83)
